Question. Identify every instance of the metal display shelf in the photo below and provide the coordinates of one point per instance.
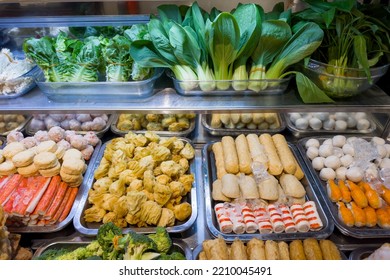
(166, 100)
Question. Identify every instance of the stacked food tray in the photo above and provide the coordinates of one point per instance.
(306, 124)
(31, 130)
(210, 175)
(19, 123)
(320, 188)
(165, 133)
(91, 228)
(206, 120)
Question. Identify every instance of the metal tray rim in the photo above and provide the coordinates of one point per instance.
(357, 253)
(323, 233)
(89, 182)
(235, 131)
(320, 189)
(69, 218)
(164, 133)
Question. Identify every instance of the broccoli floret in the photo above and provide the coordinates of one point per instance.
(80, 253)
(52, 254)
(162, 239)
(173, 256)
(94, 249)
(138, 247)
(107, 237)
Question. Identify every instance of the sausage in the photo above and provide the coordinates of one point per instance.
(312, 249)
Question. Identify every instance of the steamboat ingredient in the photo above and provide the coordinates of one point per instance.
(10, 122)
(262, 121)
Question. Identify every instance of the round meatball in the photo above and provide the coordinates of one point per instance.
(74, 124)
(69, 134)
(82, 118)
(98, 124)
(65, 144)
(78, 142)
(58, 117)
(14, 136)
(50, 122)
(65, 124)
(29, 142)
(87, 152)
(91, 138)
(86, 126)
(37, 124)
(40, 117)
(56, 133)
(41, 136)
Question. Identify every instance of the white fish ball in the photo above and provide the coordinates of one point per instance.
(325, 150)
(387, 146)
(351, 122)
(346, 160)
(313, 143)
(340, 173)
(377, 140)
(339, 140)
(315, 123)
(323, 116)
(351, 139)
(312, 152)
(381, 150)
(327, 174)
(329, 124)
(363, 124)
(348, 150)
(340, 125)
(355, 174)
(294, 116)
(332, 162)
(318, 163)
(338, 152)
(341, 116)
(302, 123)
(327, 142)
(360, 115)
(385, 163)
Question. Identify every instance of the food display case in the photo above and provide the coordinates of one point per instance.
(160, 96)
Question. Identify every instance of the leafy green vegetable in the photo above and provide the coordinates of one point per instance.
(274, 34)
(309, 92)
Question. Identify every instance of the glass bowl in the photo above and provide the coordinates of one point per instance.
(340, 82)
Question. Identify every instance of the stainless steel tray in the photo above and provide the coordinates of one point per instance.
(98, 91)
(29, 76)
(164, 133)
(273, 87)
(320, 190)
(100, 133)
(362, 253)
(20, 127)
(68, 219)
(375, 126)
(206, 120)
(199, 248)
(209, 171)
(76, 242)
(91, 229)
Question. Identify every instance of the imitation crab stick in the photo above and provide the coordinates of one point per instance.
(47, 197)
(9, 187)
(345, 214)
(358, 195)
(333, 190)
(40, 189)
(345, 192)
(25, 196)
(68, 205)
(4, 180)
(56, 216)
(55, 204)
(372, 196)
(14, 197)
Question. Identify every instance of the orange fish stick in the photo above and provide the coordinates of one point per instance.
(333, 190)
(371, 218)
(357, 195)
(345, 214)
(345, 192)
(383, 218)
(372, 196)
(358, 214)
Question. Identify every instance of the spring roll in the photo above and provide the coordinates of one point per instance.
(244, 157)
(312, 249)
(255, 249)
(237, 250)
(230, 186)
(275, 166)
(219, 159)
(257, 150)
(248, 187)
(296, 250)
(329, 250)
(271, 250)
(230, 155)
(284, 253)
(216, 249)
(285, 154)
(217, 194)
(291, 185)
